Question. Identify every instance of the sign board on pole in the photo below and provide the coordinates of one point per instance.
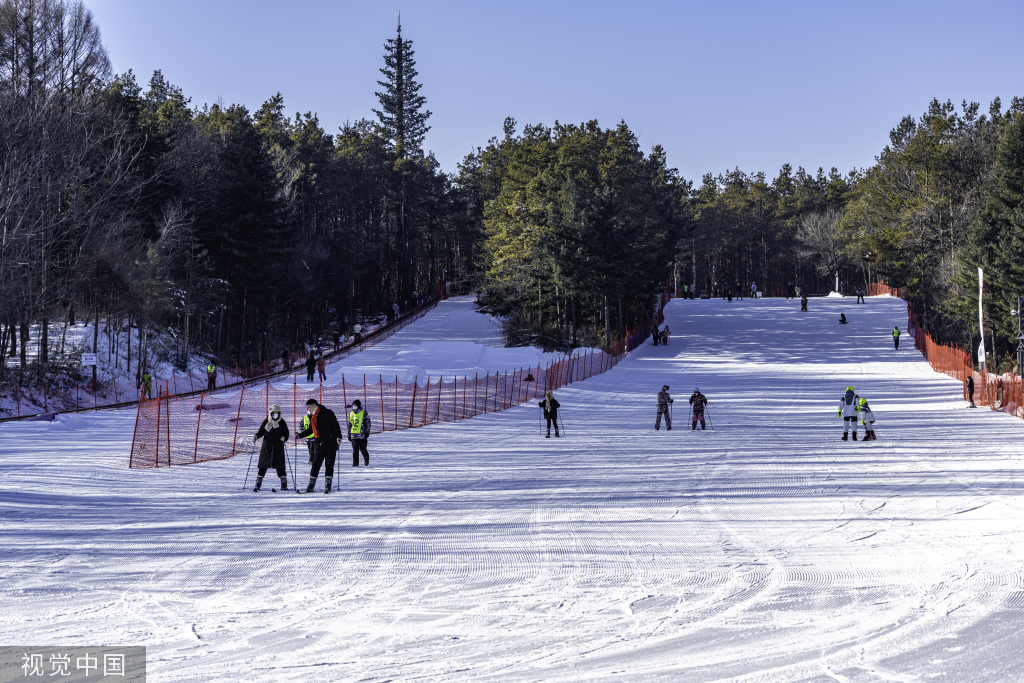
(88, 359)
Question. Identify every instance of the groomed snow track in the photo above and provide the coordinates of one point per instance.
(764, 550)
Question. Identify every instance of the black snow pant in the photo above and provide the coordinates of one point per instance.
(699, 416)
(323, 458)
(896, 342)
(359, 446)
(860, 299)
(309, 374)
(554, 419)
(281, 472)
(311, 445)
(211, 382)
(668, 419)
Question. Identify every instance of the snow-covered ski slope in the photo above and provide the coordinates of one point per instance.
(764, 550)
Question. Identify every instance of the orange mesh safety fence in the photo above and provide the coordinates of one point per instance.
(177, 430)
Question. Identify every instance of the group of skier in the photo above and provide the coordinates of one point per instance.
(323, 435)
(698, 405)
(852, 408)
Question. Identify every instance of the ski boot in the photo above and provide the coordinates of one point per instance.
(312, 483)
(259, 482)
(845, 437)
(855, 436)
(327, 485)
(557, 435)
(284, 483)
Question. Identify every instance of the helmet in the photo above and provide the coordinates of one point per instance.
(849, 388)
(863, 401)
(697, 390)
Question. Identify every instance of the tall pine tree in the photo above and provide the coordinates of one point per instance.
(401, 113)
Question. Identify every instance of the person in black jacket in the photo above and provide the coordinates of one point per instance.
(274, 431)
(310, 367)
(550, 407)
(323, 425)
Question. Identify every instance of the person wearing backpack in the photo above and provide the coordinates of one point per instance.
(849, 406)
(699, 402)
(664, 400)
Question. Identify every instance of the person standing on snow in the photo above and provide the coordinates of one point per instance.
(970, 390)
(665, 332)
(396, 309)
(310, 367)
(699, 402)
(803, 302)
(323, 425)
(359, 433)
(356, 331)
(304, 428)
(274, 431)
(860, 296)
(336, 338)
(321, 368)
(654, 335)
(211, 377)
(848, 409)
(664, 400)
(753, 290)
(867, 418)
(147, 384)
(896, 338)
(550, 407)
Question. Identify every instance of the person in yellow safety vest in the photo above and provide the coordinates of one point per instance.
(896, 337)
(310, 439)
(359, 432)
(211, 377)
(147, 384)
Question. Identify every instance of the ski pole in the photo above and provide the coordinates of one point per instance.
(251, 451)
(709, 417)
(561, 423)
(540, 421)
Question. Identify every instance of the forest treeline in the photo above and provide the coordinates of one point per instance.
(236, 233)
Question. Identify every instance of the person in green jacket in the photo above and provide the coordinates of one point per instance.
(896, 337)
(147, 384)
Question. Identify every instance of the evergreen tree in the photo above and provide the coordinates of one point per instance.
(401, 113)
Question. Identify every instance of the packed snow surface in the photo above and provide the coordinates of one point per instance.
(763, 550)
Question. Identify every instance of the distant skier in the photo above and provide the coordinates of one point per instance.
(274, 431)
(310, 367)
(336, 338)
(147, 384)
(357, 330)
(842, 319)
(359, 433)
(284, 359)
(867, 418)
(654, 335)
(790, 291)
(550, 407)
(803, 302)
(665, 332)
(699, 402)
(320, 346)
(753, 290)
(321, 368)
(323, 425)
(664, 400)
(896, 338)
(970, 390)
(860, 295)
(396, 309)
(848, 409)
(211, 377)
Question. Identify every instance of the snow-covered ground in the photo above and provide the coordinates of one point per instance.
(764, 550)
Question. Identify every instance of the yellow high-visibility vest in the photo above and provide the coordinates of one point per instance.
(355, 422)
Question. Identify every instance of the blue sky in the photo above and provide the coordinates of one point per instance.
(718, 84)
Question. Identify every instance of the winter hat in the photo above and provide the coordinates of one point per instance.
(357, 404)
(664, 387)
(271, 422)
(696, 390)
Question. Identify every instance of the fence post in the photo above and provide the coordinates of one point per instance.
(135, 433)
(366, 404)
(167, 395)
(383, 425)
(465, 381)
(76, 403)
(396, 402)
(344, 391)
(487, 386)
(426, 398)
(412, 403)
(156, 454)
(440, 395)
(238, 417)
(195, 451)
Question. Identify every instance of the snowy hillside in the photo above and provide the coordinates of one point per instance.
(763, 550)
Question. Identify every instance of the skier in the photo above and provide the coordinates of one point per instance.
(848, 409)
(274, 431)
(359, 432)
(842, 319)
(147, 384)
(284, 359)
(896, 337)
(321, 368)
(664, 335)
(803, 302)
(323, 425)
(336, 338)
(310, 441)
(550, 407)
(860, 295)
(970, 390)
(699, 401)
(357, 330)
(310, 366)
(790, 291)
(211, 377)
(867, 418)
(396, 309)
(664, 400)
(753, 290)
(320, 346)
(654, 335)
